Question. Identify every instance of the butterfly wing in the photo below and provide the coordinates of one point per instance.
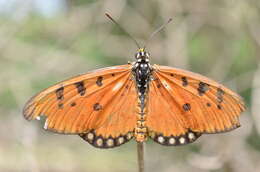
(119, 125)
(183, 105)
(87, 103)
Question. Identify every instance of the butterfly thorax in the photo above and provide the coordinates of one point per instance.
(142, 73)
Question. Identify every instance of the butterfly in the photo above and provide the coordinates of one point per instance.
(110, 106)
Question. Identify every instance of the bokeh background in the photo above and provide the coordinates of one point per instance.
(46, 41)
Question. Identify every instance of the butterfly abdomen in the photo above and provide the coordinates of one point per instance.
(142, 73)
(141, 131)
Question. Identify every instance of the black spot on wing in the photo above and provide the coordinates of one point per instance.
(73, 104)
(220, 94)
(203, 87)
(97, 107)
(81, 88)
(219, 106)
(186, 107)
(59, 93)
(99, 81)
(184, 81)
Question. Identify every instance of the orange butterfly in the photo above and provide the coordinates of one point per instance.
(110, 106)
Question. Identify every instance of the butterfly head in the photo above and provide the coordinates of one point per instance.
(142, 55)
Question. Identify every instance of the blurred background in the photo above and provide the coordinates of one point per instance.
(46, 41)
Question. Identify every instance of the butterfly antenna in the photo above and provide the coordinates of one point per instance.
(157, 31)
(118, 25)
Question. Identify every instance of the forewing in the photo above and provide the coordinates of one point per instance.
(79, 104)
(183, 105)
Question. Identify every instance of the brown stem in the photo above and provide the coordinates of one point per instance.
(140, 152)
